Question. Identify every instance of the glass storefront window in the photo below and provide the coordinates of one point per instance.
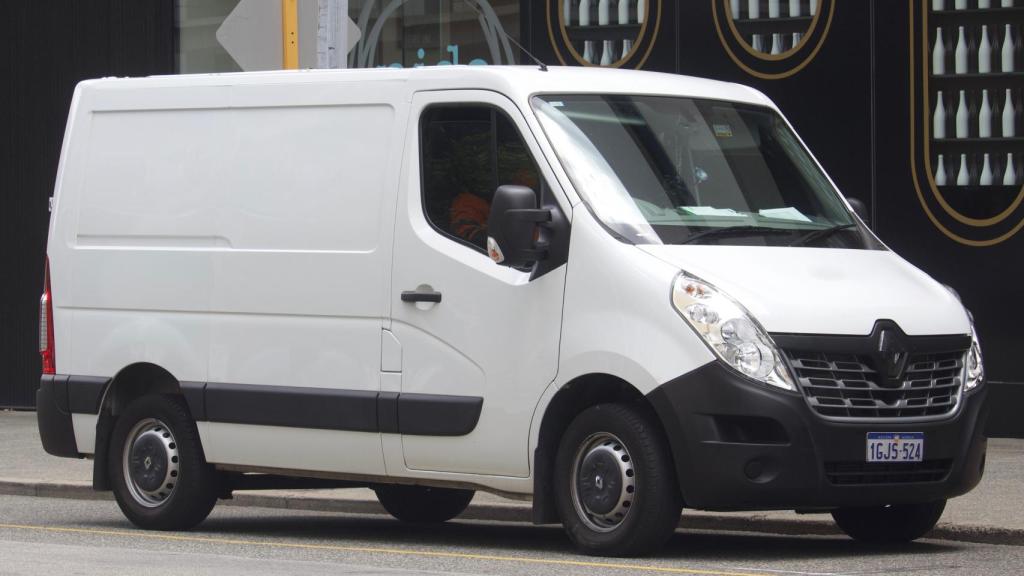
(198, 48)
(392, 33)
(434, 32)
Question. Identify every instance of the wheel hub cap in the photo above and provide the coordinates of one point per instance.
(150, 463)
(604, 485)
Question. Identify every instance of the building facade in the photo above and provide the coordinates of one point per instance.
(913, 106)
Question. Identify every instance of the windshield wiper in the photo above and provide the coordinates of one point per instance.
(821, 233)
(734, 231)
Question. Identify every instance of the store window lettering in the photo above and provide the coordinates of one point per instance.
(415, 33)
(452, 51)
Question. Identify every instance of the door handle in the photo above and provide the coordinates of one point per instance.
(421, 296)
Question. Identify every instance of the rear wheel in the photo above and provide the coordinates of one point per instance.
(423, 504)
(615, 483)
(160, 477)
(897, 523)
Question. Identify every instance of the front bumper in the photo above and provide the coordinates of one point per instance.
(738, 445)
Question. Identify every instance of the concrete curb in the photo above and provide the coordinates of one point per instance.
(691, 520)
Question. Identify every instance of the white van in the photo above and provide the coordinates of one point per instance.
(617, 293)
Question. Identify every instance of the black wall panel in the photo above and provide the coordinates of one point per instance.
(45, 49)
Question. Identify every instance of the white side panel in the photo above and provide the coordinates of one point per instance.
(85, 432)
(295, 448)
(238, 234)
(108, 340)
(287, 350)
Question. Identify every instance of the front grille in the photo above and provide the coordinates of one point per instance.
(854, 473)
(849, 386)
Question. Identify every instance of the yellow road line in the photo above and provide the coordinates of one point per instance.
(373, 550)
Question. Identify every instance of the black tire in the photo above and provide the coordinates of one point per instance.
(170, 487)
(637, 502)
(889, 524)
(423, 504)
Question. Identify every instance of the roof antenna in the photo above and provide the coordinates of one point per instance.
(543, 67)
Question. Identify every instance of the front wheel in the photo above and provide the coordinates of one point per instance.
(897, 523)
(615, 485)
(159, 474)
(423, 504)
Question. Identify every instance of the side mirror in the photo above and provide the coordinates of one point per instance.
(860, 209)
(512, 227)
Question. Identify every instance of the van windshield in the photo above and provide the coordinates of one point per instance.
(670, 170)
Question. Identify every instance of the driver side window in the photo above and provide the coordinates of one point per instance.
(466, 152)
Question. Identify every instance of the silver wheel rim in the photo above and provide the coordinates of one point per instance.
(150, 463)
(603, 482)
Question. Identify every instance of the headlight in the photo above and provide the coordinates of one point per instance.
(974, 371)
(729, 330)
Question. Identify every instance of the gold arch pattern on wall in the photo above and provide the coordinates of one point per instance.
(971, 231)
(761, 63)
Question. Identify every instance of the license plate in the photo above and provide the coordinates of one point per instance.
(895, 446)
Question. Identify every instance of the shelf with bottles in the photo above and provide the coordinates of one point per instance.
(965, 50)
(603, 31)
(987, 171)
(773, 26)
(978, 117)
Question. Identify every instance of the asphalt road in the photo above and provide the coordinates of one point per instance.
(58, 536)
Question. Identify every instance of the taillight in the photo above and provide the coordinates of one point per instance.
(46, 348)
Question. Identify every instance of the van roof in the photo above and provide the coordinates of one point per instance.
(518, 82)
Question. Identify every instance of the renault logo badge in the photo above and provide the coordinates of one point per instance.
(893, 354)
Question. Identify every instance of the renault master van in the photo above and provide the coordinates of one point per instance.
(615, 293)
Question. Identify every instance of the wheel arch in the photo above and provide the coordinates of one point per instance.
(571, 399)
(130, 383)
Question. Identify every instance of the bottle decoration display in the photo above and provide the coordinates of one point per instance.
(754, 21)
(963, 117)
(984, 52)
(976, 94)
(1006, 52)
(960, 54)
(939, 118)
(939, 54)
(984, 117)
(584, 20)
(940, 172)
(963, 175)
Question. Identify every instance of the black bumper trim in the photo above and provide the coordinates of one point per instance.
(55, 427)
(718, 472)
(292, 406)
(85, 393)
(286, 406)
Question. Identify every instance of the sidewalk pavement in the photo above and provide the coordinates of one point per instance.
(993, 512)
